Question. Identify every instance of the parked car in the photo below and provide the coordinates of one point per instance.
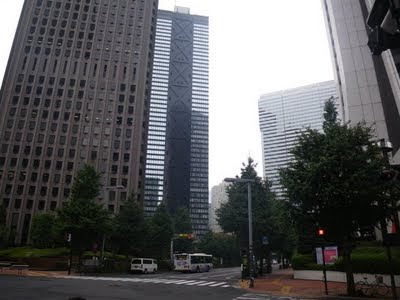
(144, 265)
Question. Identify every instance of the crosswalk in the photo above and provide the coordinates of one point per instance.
(200, 283)
(250, 296)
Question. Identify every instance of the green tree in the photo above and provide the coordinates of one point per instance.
(160, 232)
(182, 224)
(43, 231)
(130, 228)
(268, 216)
(335, 182)
(221, 246)
(81, 216)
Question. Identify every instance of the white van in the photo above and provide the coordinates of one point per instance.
(143, 265)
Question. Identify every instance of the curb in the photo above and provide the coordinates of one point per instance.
(244, 285)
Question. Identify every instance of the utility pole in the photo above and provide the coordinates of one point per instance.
(69, 239)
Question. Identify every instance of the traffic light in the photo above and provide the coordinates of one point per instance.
(321, 232)
(384, 21)
(188, 236)
(390, 175)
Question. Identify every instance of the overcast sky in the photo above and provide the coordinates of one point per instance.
(256, 47)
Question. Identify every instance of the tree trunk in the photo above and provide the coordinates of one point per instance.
(347, 249)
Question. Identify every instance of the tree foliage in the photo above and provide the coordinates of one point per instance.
(269, 219)
(221, 245)
(160, 232)
(129, 234)
(43, 231)
(335, 182)
(81, 216)
(182, 224)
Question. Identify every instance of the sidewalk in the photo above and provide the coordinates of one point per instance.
(281, 283)
(33, 273)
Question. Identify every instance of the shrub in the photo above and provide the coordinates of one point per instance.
(302, 261)
(371, 260)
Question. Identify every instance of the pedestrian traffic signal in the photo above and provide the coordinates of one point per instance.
(321, 232)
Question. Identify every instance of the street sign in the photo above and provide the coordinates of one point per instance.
(330, 253)
(265, 240)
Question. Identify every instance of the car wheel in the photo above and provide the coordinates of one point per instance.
(154, 271)
(198, 270)
(145, 271)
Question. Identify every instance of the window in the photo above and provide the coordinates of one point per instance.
(32, 190)
(29, 204)
(17, 203)
(41, 205)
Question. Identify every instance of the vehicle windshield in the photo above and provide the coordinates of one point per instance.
(181, 257)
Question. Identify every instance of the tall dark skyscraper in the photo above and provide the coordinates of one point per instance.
(76, 91)
(177, 153)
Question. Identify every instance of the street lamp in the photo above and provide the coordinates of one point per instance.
(248, 181)
(386, 148)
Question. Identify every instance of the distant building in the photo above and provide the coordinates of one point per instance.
(218, 197)
(177, 147)
(368, 86)
(75, 91)
(283, 115)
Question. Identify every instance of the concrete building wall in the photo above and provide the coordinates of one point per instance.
(368, 86)
(218, 197)
(76, 91)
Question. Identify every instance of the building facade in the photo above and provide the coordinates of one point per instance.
(177, 147)
(368, 86)
(283, 116)
(76, 91)
(218, 197)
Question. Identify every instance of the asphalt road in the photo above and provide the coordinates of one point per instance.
(218, 284)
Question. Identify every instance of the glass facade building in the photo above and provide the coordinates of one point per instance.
(177, 148)
(283, 115)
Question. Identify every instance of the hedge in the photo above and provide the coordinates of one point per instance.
(371, 260)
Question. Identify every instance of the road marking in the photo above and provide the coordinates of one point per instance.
(251, 298)
(173, 281)
(195, 283)
(184, 282)
(207, 283)
(217, 284)
(152, 280)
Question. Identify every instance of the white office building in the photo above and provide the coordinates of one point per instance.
(283, 115)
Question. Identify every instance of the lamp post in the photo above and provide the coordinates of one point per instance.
(249, 211)
(386, 148)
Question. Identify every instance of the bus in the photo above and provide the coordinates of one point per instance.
(196, 262)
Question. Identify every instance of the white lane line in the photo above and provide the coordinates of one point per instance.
(225, 286)
(195, 283)
(207, 283)
(219, 283)
(173, 281)
(185, 282)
